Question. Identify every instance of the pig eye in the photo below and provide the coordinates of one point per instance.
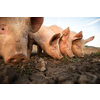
(66, 45)
(55, 47)
(2, 28)
(78, 46)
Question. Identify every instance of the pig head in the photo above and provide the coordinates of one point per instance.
(14, 37)
(78, 43)
(66, 44)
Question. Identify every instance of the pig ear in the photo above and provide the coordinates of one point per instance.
(89, 39)
(78, 36)
(65, 34)
(36, 23)
(54, 39)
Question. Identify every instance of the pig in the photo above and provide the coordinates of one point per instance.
(48, 41)
(14, 34)
(65, 42)
(78, 43)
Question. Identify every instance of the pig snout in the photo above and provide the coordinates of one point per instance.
(60, 56)
(15, 55)
(80, 55)
(72, 56)
(17, 58)
(14, 52)
(57, 56)
(70, 53)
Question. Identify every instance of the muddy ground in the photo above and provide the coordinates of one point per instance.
(46, 70)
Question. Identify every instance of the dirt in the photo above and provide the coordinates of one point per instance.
(46, 70)
(89, 50)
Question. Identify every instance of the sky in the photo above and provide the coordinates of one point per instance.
(90, 26)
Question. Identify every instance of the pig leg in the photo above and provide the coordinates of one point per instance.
(39, 50)
(29, 50)
(30, 45)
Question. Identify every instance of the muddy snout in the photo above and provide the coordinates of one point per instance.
(17, 58)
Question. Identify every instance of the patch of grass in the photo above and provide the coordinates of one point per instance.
(97, 54)
(22, 69)
(28, 71)
(76, 59)
(85, 57)
(65, 58)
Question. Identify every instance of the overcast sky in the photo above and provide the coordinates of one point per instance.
(90, 26)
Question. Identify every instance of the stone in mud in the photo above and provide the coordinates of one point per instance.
(41, 65)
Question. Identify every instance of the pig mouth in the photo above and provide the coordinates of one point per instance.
(80, 55)
(16, 59)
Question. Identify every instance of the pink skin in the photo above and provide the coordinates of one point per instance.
(78, 43)
(48, 41)
(66, 44)
(65, 41)
(56, 29)
(14, 37)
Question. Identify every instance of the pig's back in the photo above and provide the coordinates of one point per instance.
(43, 35)
(45, 32)
(56, 29)
(72, 34)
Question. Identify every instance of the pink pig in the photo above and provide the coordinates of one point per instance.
(48, 41)
(14, 33)
(78, 43)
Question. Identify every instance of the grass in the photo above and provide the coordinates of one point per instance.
(76, 59)
(97, 54)
(24, 70)
(65, 58)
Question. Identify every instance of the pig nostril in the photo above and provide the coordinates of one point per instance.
(2, 28)
(74, 56)
(22, 60)
(12, 60)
